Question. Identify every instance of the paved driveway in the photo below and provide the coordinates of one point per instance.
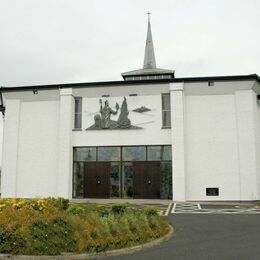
(207, 236)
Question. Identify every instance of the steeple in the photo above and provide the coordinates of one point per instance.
(149, 70)
(149, 57)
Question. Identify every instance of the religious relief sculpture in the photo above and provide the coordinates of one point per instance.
(123, 120)
(104, 121)
(106, 112)
(142, 109)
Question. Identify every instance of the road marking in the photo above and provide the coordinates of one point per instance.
(168, 209)
(189, 208)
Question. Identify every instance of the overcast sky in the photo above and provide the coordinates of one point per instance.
(62, 41)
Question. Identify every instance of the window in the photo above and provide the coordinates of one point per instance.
(210, 83)
(158, 153)
(166, 110)
(78, 113)
(85, 154)
(108, 153)
(134, 153)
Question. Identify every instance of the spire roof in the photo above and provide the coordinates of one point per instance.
(149, 57)
(149, 70)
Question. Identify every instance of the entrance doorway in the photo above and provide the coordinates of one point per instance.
(146, 180)
(138, 172)
(96, 180)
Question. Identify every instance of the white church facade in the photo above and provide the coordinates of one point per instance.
(149, 136)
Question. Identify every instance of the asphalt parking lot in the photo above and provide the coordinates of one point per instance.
(207, 236)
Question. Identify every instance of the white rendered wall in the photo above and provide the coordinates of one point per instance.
(211, 148)
(151, 131)
(246, 132)
(64, 173)
(38, 149)
(215, 147)
(10, 149)
(178, 141)
(258, 147)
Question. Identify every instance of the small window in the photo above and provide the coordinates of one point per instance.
(212, 191)
(166, 110)
(210, 83)
(78, 113)
(108, 153)
(134, 153)
(85, 154)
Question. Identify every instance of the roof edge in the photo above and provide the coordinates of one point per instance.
(131, 82)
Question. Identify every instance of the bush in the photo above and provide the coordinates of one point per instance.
(12, 240)
(76, 209)
(150, 211)
(43, 227)
(60, 203)
(119, 208)
(51, 238)
(36, 204)
(102, 210)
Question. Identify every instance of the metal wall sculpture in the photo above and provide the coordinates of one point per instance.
(142, 109)
(104, 121)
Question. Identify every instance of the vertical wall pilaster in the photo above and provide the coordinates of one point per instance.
(245, 101)
(10, 149)
(177, 129)
(64, 182)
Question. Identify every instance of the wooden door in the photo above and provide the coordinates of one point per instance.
(146, 180)
(153, 180)
(139, 169)
(97, 180)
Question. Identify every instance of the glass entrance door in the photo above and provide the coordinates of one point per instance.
(122, 172)
(127, 180)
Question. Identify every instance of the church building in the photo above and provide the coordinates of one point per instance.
(149, 136)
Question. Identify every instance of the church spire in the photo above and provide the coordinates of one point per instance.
(149, 70)
(149, 57)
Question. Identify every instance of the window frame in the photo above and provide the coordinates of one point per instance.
(164, 125)
(77, 113)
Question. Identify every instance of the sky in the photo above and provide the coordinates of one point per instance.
(65, 41)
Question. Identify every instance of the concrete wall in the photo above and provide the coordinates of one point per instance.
(215, 137)
(38, 149)
(211, 148)
(10, 148)
(258, 146)
(150, 123)
(246, 131)
(38, 136)
(221, 141)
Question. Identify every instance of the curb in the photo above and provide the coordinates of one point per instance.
(116, 252)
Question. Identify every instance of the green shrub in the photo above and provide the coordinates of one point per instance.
(51, 238)
(76, 209)
(12, 241)
(102, 210)
(60, 203)
(119, 208)
(43, 227)
(150, 211)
